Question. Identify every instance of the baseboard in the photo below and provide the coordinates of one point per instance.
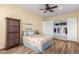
(2, 48)
(65, 40)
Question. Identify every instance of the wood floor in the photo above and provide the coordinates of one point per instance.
(58, 47)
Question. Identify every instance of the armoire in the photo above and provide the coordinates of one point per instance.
(12, 32)
(49, 28)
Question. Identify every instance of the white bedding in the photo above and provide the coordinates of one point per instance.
(37, 40)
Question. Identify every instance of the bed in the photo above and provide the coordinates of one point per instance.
(37, 43)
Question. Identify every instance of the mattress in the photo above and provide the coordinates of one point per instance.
(37, 43)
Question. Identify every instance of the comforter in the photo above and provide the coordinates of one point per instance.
(39, 42)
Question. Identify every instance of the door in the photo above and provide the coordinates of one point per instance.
(45, 27)
(72, 29)
(48, 28)
(13, 32)
(17, 33)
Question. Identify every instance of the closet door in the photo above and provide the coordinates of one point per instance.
(48, 28)
(45, 27)
(72, 29)
(13, 32)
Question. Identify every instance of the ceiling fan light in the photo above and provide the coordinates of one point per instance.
(60, 8)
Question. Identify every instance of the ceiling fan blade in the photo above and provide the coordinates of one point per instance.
(42, 9)
(53, 7)
(51, 10)
(47, 5)
(45, 11)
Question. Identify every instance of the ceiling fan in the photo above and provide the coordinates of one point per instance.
(48, 8)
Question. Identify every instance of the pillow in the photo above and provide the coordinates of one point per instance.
(25, 33)
(31, 33)
(28, 33)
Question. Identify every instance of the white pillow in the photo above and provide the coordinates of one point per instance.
(31, 33)
(25, 33)
(28, 33)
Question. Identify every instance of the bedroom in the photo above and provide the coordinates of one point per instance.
(33, 19)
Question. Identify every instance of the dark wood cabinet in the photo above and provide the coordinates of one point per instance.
(13, 32)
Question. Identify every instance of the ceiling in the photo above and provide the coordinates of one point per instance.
(60, 10)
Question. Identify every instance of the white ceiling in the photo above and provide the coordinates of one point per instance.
(66, 8)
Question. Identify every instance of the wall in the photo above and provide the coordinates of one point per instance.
(78, 27)
(14, 11)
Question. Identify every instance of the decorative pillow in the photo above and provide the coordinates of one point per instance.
(28, 33)
(31, 33)
(25, 33)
